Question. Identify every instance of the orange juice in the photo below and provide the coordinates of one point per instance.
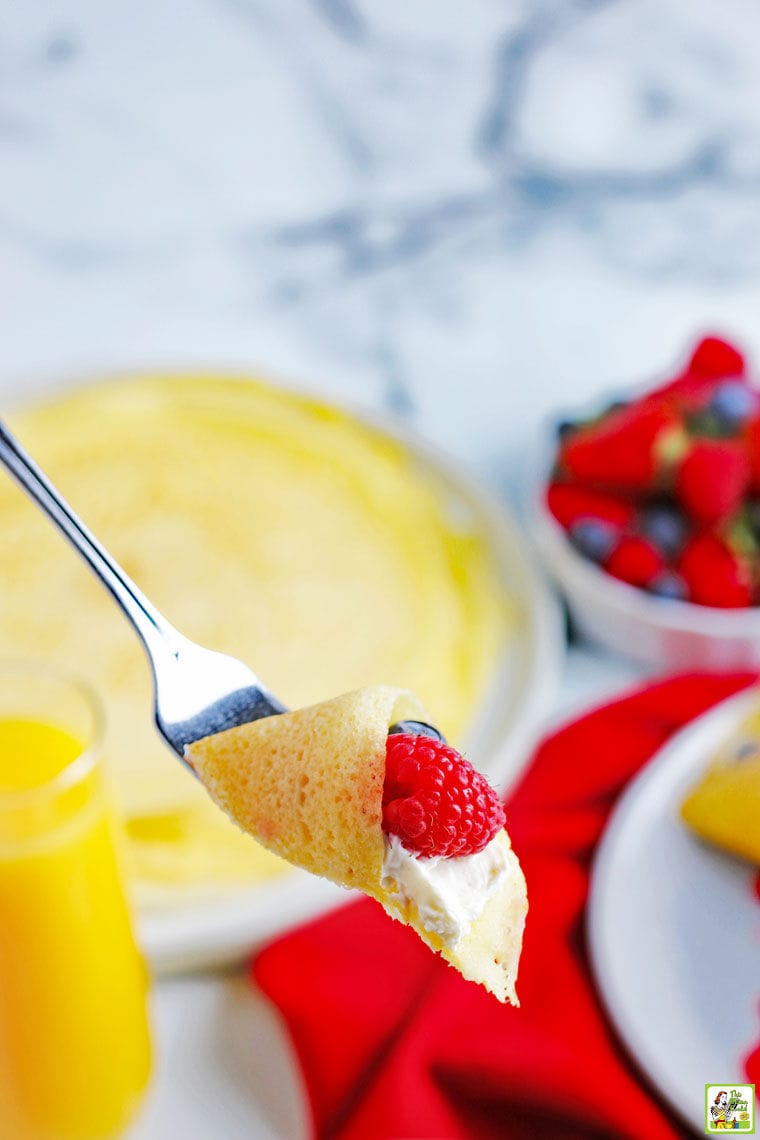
(74, 1040)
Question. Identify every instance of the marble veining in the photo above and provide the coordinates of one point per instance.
(461, 213)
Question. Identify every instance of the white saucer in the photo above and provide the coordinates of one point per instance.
(674, 929)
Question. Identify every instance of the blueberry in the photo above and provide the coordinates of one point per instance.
(665, 527)
(669, 585)
(594, 538)
(565, 428)
(733, 402)
(752, 508)
(416, 728)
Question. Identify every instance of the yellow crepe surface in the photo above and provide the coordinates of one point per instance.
(265, 525)
(309, 783)
(724, 806)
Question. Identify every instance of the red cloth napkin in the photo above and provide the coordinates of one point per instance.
(395, 1045)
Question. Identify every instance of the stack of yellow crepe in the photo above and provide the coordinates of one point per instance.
(724, 807)
(262, 524)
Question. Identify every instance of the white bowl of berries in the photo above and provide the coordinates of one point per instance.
(647, 515)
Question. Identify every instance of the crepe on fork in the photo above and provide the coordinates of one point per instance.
(308, 785)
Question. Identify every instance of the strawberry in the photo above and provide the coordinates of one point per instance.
(717, 358)
(635, 560)
(712, 480)
(712, 360)
(753, 450)
(627, 450)
(435, 801)
(688, 393)
(714, 574)
(570, 504)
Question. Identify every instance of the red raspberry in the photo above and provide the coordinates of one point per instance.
(715, 574)
(635, 560)
(435, 801)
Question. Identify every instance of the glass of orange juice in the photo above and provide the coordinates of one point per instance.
(74, 1034)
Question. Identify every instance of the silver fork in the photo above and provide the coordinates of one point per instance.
(196, 691)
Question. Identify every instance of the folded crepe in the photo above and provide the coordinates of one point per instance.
(724, 806)
(308, 785)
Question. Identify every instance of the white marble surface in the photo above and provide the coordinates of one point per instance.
(466, 213)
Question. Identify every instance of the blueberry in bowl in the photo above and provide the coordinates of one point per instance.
(648, 516)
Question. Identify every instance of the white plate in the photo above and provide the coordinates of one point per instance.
(665, 634)
(216, 932)
(221, 930)
(674, 928)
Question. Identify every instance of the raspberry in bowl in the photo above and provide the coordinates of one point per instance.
(648, 517)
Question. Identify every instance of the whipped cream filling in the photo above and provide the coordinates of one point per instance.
(447, 895)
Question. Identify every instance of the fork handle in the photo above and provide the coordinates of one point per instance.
(156, 633)
(153, 629)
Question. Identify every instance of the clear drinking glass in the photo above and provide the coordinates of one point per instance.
(74, 1035)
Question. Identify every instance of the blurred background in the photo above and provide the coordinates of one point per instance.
(465, 215)
(460, 215)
